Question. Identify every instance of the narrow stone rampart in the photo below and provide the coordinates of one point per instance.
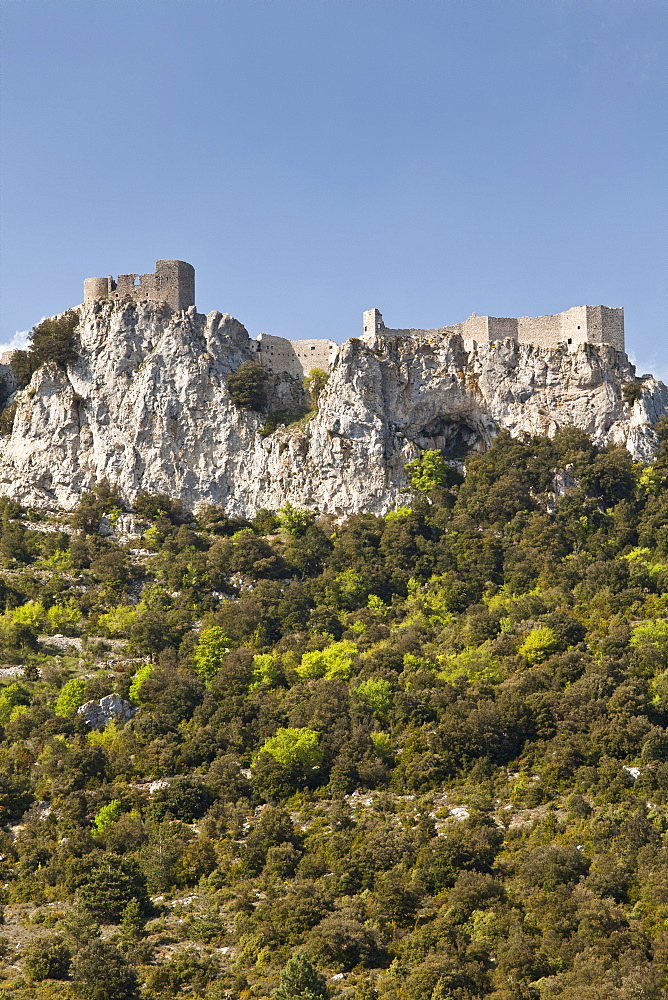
(579, 325)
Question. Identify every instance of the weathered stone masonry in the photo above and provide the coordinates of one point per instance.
(173, 282)
(579, 325)
(296, 357)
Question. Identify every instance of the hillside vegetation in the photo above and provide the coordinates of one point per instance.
(419, 757)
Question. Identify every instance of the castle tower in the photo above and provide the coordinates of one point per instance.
(172, 282)
(372, 322)
(96, 288)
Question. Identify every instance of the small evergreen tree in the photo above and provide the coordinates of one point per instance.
(47, 957)
(50, 340)
(133, 921)
(102, 973)
(247, 386)
(300, 980)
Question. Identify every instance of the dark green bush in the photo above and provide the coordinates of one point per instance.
(247, 386)
(47, 957)
(51, 340)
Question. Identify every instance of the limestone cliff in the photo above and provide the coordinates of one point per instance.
(146, 407)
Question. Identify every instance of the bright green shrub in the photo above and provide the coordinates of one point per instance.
(71, 696)
(32, 613)
(377, 694)
(142, 674)
(539, 644)
(11, 697)
(294, 746)
(654, 633)
(211, 647)
(107, 815)
(333, 661)
(63, 618)
(428, 472)
(118, 622)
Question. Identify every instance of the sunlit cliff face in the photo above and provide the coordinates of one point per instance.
(146, 406)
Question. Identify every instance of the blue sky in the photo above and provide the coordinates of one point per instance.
(314, 158)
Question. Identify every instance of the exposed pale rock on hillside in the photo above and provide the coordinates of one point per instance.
(146, 406)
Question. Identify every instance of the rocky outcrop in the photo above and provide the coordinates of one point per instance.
(111, 708)
(146, 406)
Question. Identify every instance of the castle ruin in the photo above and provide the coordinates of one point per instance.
(296, 357)
(172, 282)
(576, 326)
(579, 325)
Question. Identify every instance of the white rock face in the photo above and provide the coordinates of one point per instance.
(110, 708)
(146, 407)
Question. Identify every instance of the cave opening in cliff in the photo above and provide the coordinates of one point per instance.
(454, 438)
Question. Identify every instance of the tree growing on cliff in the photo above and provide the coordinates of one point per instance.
(247, 386)
(50, 340)
(315, 382)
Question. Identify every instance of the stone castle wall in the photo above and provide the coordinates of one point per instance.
(172, 282)
(579, 325)
(296, 357)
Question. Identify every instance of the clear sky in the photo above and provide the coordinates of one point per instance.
(315, 158)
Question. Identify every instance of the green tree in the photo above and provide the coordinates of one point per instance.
(332, 661)
(142, 674)
(211, 647)
(315, 382)
(470, 846)
(428, 472)
(377, 693)
(108, 884)
(300, 980)
(247, 386)
(343, 940)
(186, 798)
(160, 506)
(102, 973)
(107, 815)
(539, 644)
(71, 696)
(295, 521)
(47, 957)
(651, 633)
(11, 696)
(291, 746)
(50, 340)
(133, 921)
(117, 622)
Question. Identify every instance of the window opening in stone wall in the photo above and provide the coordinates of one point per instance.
(570, 340)
(137, 281)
